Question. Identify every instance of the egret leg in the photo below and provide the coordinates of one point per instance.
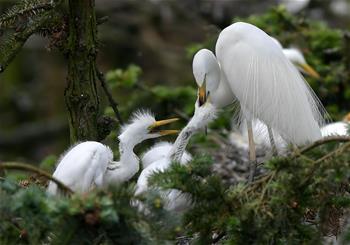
(252, 154)
(272, 141)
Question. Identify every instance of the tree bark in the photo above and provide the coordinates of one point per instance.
(81, 94)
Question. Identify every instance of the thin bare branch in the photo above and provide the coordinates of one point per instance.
(112, 102)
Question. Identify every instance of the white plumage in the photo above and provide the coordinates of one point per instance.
(267, 85)
(333, 129)
(297, 58)
(253, 69)
(90, 164)
(174, 200)
(161, 150)
(82, 167)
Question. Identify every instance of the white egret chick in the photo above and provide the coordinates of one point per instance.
(295, 56)
(266, 84)
(337, 128)
(161, 150)
(91, 164)
(174, 199)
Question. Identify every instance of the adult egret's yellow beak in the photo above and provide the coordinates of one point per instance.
(309, 70)
(202, 93)
(162, 123)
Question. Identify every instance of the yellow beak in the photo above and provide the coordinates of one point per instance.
(167, 132)
(309, 70)
(202, 93)
(162, 123)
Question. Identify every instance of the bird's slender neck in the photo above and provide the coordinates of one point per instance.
(181, 142)
(127, 166)
(127, 155)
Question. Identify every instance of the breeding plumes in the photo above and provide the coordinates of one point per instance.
(90, 164)
(250, 65)
(173, 199)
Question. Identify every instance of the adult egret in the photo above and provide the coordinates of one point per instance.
(295, 56)
(174, 199)
(266, 84)
(90, 163)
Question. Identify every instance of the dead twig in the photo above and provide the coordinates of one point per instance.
(112, 102)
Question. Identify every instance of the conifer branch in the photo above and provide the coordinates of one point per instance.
(26, 8)
(324, 141)
(13, 45)
(30, 168)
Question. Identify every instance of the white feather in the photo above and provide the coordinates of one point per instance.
(337, 128)
(159, 151)
(267, 85)
(84, 166)
(174, 199)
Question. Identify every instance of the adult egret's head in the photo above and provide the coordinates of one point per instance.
(206, 71)
(144, 126)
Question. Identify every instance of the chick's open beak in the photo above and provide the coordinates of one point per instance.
(157, 124)
(202, 94)
(309, 70)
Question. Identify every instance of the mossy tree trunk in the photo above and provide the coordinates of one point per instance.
(81, 94)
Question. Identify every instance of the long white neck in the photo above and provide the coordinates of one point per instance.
(181, 142)
(127, 166)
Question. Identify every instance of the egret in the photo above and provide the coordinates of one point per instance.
(174, 199)
(338, 128)
(295, 56)
(161, 150)
(90, 163)
(253, 68)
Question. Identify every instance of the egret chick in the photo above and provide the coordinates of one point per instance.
(174, 199)
(90, 163)
(337, 128)
(161, 150)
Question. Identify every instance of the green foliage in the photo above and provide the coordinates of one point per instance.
(161, 99)
(48, 163)
(275, 208)
(23, 20)
(30, 216)
(124, 78)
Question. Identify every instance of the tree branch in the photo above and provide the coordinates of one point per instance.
(112, 102)
(30, 168)
(14, 43)
(324, 141)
